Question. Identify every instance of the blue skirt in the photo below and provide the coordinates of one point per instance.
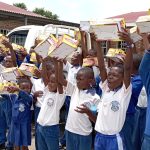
(21, 133)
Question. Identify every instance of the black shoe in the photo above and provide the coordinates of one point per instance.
(2, 146)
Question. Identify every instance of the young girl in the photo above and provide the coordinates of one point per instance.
(21, 115)
(116, 94)
(48, 119)
(83, 98)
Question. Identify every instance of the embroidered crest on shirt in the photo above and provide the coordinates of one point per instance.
(21, 107)
(50, 102)
(115, 106)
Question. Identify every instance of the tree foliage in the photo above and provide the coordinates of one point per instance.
(21, 5)
(45, 13)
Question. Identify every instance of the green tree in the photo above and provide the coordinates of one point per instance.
(21, 5)
(45, 13)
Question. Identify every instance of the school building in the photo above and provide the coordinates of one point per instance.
(12, 17)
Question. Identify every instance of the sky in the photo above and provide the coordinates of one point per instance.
(85, 10)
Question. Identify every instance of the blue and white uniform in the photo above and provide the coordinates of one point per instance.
(111, 117)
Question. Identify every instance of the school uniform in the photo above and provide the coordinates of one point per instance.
(6, 108)
(140, 120)
(111, 117)
(38, 85)
(129, 124)
(78, 126)
(48, 121)
(3, 127)
(71, 77)
(21, 119)
(145, 75)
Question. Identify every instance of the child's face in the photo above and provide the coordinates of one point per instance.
(52, 85)
(8, 62)
(82, 81)
(114, 78)
(25, 86)
(75, 59)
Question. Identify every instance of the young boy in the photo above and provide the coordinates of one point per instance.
(48, 119)
(137, 85)
(83, 98)
(144, 72)
(116, 94)
(21, 115)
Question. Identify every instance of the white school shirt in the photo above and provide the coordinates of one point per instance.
(72, 72)
(50, 109)
(112, 109)
(76, 122)
(142, 100)
(38, 85)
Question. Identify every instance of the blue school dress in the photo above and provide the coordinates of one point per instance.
(21, 119)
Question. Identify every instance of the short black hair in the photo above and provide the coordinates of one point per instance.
(87, 71)
(20, 81)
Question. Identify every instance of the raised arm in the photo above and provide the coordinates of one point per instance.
(97, 44)
(61, 78)
(129, 57)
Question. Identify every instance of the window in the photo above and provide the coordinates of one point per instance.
(19, 37)
(121, 45)
(4, 31)
(104, 47)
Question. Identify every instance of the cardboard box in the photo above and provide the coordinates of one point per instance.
(10, 74)
(4, 86)
(143, 24)
(3, 48)
(87, 62)
(134, 35)
(46, 46)
(17, 47)
(29, 69)
(108, 29)
(3, 37)
(66, 46)
(114, 51)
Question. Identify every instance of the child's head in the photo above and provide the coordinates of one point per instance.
(136, 62)
(92, 53)
(85, 78)
(25, 85)
(8, 62)
(52, 85)
(115, 76)
(50, 67)
(75, 59)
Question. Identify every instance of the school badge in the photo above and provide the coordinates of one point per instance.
(115, 106)
(50, 102)
(21, 107)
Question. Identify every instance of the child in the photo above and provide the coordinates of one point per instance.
(145, 75)
(48, 119)
(116, 94)
(6, 107)
(137, 85)
(140, 120)
(38, 89)
(72, 68)
(21, 115)
(83, 98)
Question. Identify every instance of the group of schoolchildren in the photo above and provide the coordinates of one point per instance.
(105, 105)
